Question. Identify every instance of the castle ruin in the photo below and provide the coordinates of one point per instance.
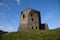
(30, 19)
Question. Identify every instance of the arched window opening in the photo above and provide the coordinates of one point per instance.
(23, 16)
(36, 27)
(32, 19)
(32, 27)
(31, 15)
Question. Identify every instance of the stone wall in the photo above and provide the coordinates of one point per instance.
(30, 19)
(44, 26)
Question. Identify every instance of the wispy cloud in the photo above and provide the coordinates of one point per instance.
(2, 4)
(18, 1)
(8, 28)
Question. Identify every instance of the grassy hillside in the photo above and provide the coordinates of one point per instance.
(33, 35)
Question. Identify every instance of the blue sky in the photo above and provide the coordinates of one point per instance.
(10, 12)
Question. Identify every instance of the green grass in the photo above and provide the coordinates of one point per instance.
(33, 35)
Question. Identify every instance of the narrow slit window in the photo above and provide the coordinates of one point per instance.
(32, 19)
(36, 27)
(23, 16)
(32, 27)
(31, 15)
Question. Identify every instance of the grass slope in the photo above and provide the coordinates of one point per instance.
(33, 35)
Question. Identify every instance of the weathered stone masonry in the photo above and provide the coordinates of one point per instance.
(30, 19)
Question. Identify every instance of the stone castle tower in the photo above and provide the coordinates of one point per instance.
(30, 19)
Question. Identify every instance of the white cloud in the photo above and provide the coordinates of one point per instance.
(18, 1)
(8, 28)
(2, 4)
(1, 27)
